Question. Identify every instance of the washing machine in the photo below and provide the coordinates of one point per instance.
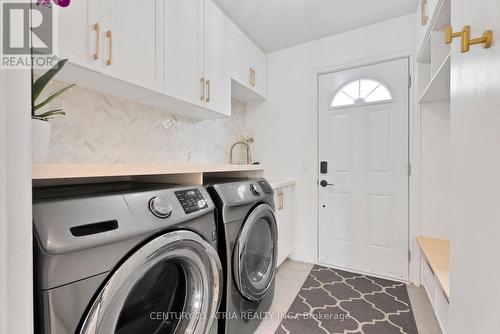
(248, 247)
(125, 258)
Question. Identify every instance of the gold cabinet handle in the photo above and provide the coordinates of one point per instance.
(251, 77)
(208, 91)
(202, 82)
(280, 201)
(109, 35)
(423, 12)
(97, 29)
(254, 76)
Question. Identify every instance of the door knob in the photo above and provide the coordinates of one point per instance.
(325, 183)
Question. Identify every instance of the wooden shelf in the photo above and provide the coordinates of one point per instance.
(438, 88)
(437, 253)
(48, 174)
(276, 184)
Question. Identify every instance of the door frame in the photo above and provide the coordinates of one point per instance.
(414, 138)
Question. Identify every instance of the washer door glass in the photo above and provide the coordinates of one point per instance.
(256, 253)
(155, 303)
(172, 284)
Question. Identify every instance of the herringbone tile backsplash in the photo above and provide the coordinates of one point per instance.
(99, 128)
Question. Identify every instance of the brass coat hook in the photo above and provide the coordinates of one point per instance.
(486, 40)
(449, 34)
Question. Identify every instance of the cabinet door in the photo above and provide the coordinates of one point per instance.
(81, 28)
(183, 49)
(239, 57)
(284, 217)
(134, 50)
(258, 63)
(218, 86)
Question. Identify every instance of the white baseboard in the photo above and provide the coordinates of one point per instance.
(303, 255)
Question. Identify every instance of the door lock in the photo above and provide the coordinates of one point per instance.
(325, 183)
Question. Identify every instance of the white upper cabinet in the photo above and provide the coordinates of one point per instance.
(248, 66)
(171, 54)
(184, 49)
(80, 32)
(116, 37)
(217, 83)
(258, 65)
(133, 42)
(239, 56)
(196, 54)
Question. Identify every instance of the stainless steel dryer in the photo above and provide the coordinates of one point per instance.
(125, 258)
(248, 249)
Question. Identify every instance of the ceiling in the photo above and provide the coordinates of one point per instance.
(278, 24)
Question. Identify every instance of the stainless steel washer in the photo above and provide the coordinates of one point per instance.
(125, 258)
(248, 249)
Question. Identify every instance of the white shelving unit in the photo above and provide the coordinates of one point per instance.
(433, 93)
(438, 88)
(433, 57)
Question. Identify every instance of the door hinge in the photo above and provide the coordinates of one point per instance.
(409, 168)
(409, 255)
(409, 80)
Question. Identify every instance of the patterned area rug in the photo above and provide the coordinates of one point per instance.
(336, 301)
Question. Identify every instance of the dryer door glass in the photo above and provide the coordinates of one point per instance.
(256, 253)
(172, 284)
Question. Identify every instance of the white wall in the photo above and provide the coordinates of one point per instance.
(16, 286)
(285, 126)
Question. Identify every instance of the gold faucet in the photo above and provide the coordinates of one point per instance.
(249, 155)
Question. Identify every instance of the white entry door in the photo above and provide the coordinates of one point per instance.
(363, 152)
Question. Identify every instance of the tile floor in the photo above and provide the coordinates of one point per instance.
(291, 276)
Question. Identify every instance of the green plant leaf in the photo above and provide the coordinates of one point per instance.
(52, 97)
(42, 82)
(51, 113)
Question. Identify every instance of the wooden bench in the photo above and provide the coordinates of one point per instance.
(435, 276)
(437, 254)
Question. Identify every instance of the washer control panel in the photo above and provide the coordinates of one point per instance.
(191, 200)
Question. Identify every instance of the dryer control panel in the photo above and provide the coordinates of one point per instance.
(191, 200)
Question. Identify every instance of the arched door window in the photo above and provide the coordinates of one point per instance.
(361, 91)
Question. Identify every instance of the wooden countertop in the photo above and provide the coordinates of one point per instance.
(276, 184)
(79, 171)
(437, 253)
